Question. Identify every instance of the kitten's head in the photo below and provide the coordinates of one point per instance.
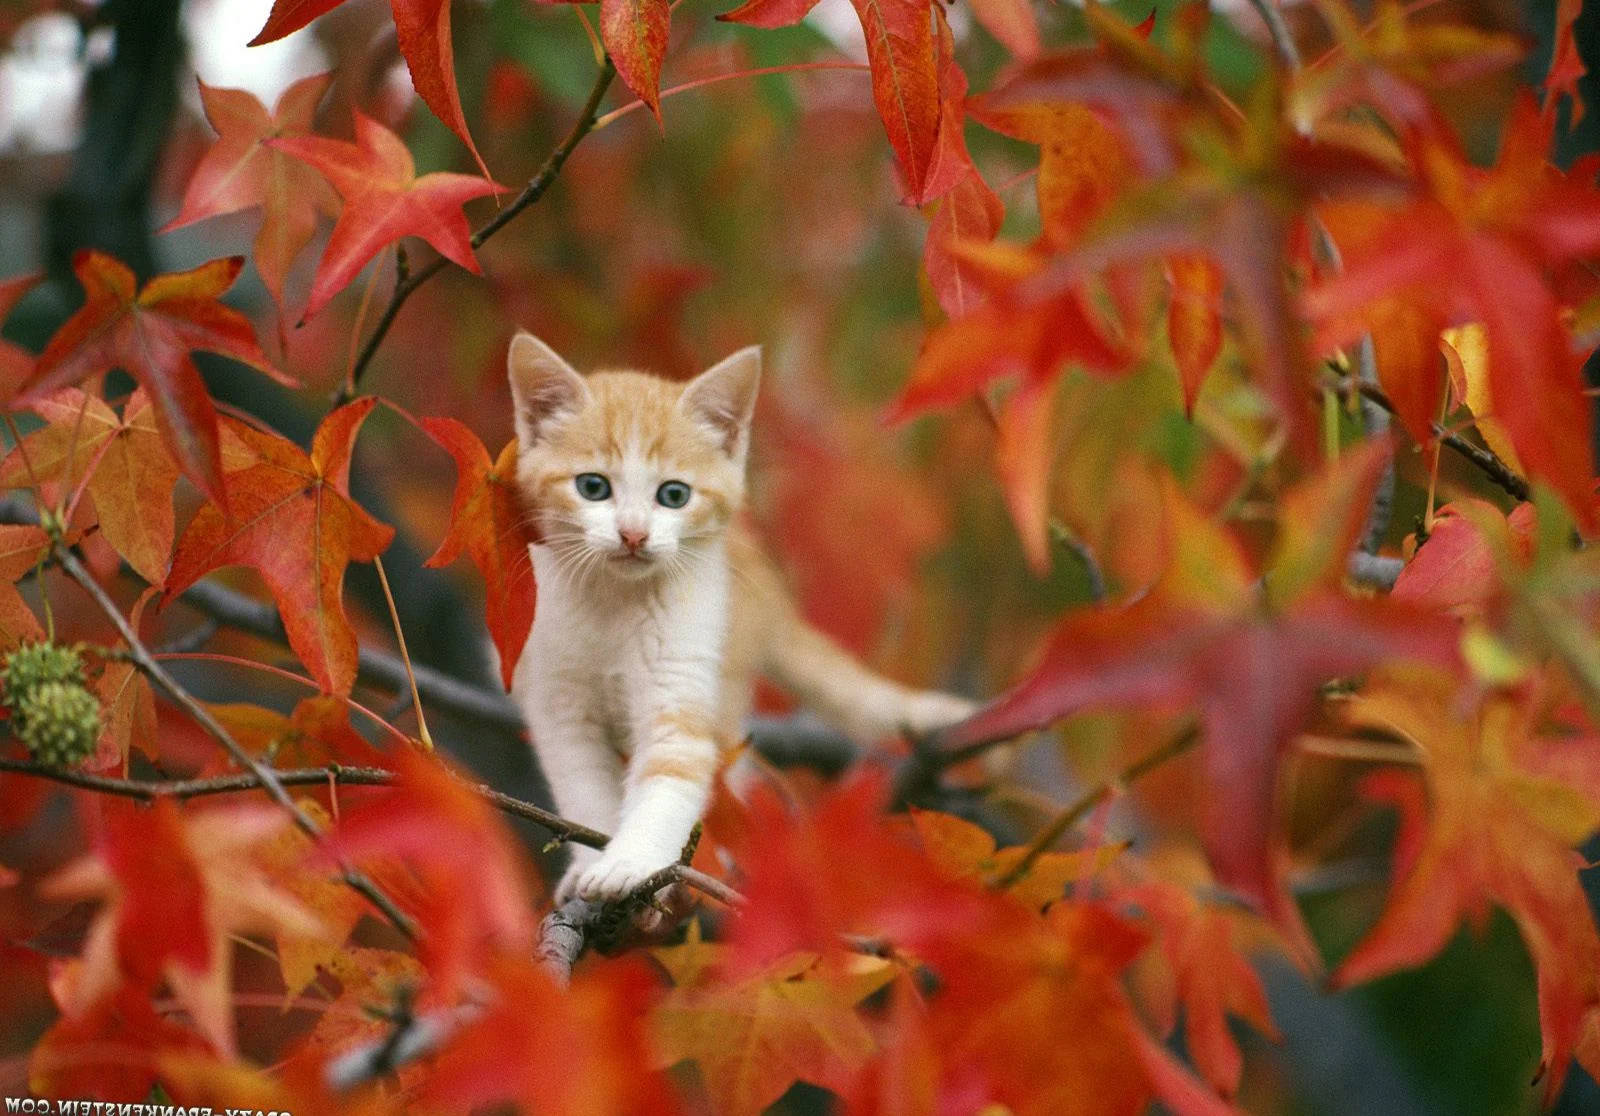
(630, 474)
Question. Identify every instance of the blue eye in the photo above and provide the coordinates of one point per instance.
(672, 494)
(592, 486)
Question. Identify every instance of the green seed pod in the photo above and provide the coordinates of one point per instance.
(59, 722)
(34, 664)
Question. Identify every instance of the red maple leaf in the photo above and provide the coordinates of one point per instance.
(914, 84)
(464, 871)
(384, 200)
(423, 30)
(489, 525)
(584, 1048)
(240, 171)
(1201, 640)
(291, 517)
(149, 332)
(1485, 245)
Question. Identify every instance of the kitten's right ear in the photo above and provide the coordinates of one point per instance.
(543, 386)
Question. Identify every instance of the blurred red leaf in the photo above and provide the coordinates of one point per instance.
(176, 886)
(804, 895)
(1012, 23)
(1481, 245)
(291, 517)
(466, 886)
(149, 333)
(111, 1051)
(1252, 675)
(545, 1048)
(384, 200)
(16, 363)
(489, 525)
(1566, 64)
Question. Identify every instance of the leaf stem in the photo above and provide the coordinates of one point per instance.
(714, 79)
(405, 656)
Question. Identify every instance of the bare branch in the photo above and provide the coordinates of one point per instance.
(1077, 810)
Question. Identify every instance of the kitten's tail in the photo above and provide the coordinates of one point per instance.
(827, 679)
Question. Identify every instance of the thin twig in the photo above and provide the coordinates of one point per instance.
(405, 656)
(203, 717)
(532, 192)
(1086, 802)
(1282, 39)
(1487, 461)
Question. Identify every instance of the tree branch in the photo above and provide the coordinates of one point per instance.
(148, 790)
(1077, 810)
(1489, 462)
(407, 284)
(203, 717)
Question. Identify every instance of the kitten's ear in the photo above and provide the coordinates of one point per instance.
(542, 386)
(724, 397)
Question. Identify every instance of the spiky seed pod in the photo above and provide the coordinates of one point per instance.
(59, 722)
(32, 665)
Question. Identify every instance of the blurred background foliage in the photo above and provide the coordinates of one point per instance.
(762, 210)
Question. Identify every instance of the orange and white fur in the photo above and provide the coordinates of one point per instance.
(657, 609)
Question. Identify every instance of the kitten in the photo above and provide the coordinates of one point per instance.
(657, 609)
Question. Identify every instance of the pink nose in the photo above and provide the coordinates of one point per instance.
(632, 539)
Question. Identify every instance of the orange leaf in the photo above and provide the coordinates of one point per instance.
(149, 333)
(969, 212)
(755, 1037)
(488, 524)
(240, 171)
(176, 885)
(291, 517)
(1194, 320)
(1496, 828)
(131, 476)
(384, 200)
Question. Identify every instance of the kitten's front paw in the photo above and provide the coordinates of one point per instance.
(930, 711)
(616, 873)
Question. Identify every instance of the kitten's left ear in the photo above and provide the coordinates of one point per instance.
(724, 397)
